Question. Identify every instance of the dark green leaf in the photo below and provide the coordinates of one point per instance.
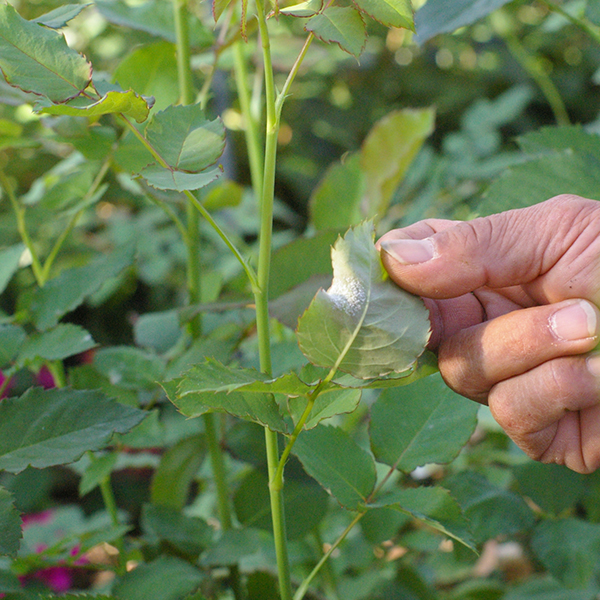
(547, 588)
(440, 16)
(12, 338)
(364, 324)
(159, 331)
(129, 367)
(305, 504)
(98, 470)
(553, 488)
(391, 13)
(38, 60)
(9, 263)
(425, 422)
(338, 463)
(341, 25)
(53, 427)
(59, 17)
(58, 343)
(171, 179)
(10, 525)
(568, 548)
(69, 289)
(235, 545)
(127, 103)
(491, 510)
(166, 578)
(432, 505)
(178, 468)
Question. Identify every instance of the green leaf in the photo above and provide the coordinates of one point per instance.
(303, 9)
(166, 578)
(554, 488)
(341, 25)
(165, 524)
(98, 470)
(547, 588)
(12, 338)
(171, 179)
(328, 404)
(154, 17)
(491, 510)
(129, 367)
(185, 139)
(391, 13)
(127, 103)
(178, 468)
(69, 289)
(10, 525)
(236, 545)
(336, 201)
(59, 17)
(387, 153)
(425, 422)
(364, 324)
(38, 60)
(9, 263)
(441, 16)
(338, 463)
(61, 342)
(151, 70)
(305, 504)
(75, 597)
(568, 548)
(43, 428)
(432, 505)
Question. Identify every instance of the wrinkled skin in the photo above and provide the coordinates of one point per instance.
(493, 287)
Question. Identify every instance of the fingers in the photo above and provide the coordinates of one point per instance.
(442, 259)
(553, 412)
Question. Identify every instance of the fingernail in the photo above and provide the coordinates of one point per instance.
(409, 252)
(574, 322)
(593, 364)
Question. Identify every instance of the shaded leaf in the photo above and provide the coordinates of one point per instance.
(12, 338)
(364, 324)
(127, 103)
(69, 289)
(218, 8)
(328, 404)
(10, 525)
(391, 13)
(425, 422)
(235, 545)
(338, 463)
(171, 179)
(9, 263)
(129, 367)
(441, 16)
(61, 342)
(177, 470)
(43, 428)
(341, 25)
(98, 470)
(38, 60)
(432, 505)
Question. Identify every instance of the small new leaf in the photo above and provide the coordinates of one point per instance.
(364, 324)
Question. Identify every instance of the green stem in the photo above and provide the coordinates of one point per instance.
(592, 30)
(304, 585)
(36, 265)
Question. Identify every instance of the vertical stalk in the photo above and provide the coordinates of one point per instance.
(187, 96)
(261, 295)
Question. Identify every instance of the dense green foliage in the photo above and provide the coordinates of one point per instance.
(182, 418)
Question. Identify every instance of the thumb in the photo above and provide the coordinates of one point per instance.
(445, 259)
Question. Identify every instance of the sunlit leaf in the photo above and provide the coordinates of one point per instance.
(328, 404)
(432, 505)
(303, 9)
(10, 525)
(364, 324)
(128, 103)
(38, 60)
(338, 463)
(441, 16)
(341, 25)
(218, 8)
(391, 13)
(59, 17)
(43, 428)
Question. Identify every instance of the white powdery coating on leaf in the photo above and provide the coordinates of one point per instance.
(347, 294)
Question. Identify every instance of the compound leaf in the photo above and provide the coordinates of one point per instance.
(364, 324)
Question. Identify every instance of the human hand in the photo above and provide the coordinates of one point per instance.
(513, 306)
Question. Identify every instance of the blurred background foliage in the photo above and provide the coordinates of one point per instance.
(522, 68)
